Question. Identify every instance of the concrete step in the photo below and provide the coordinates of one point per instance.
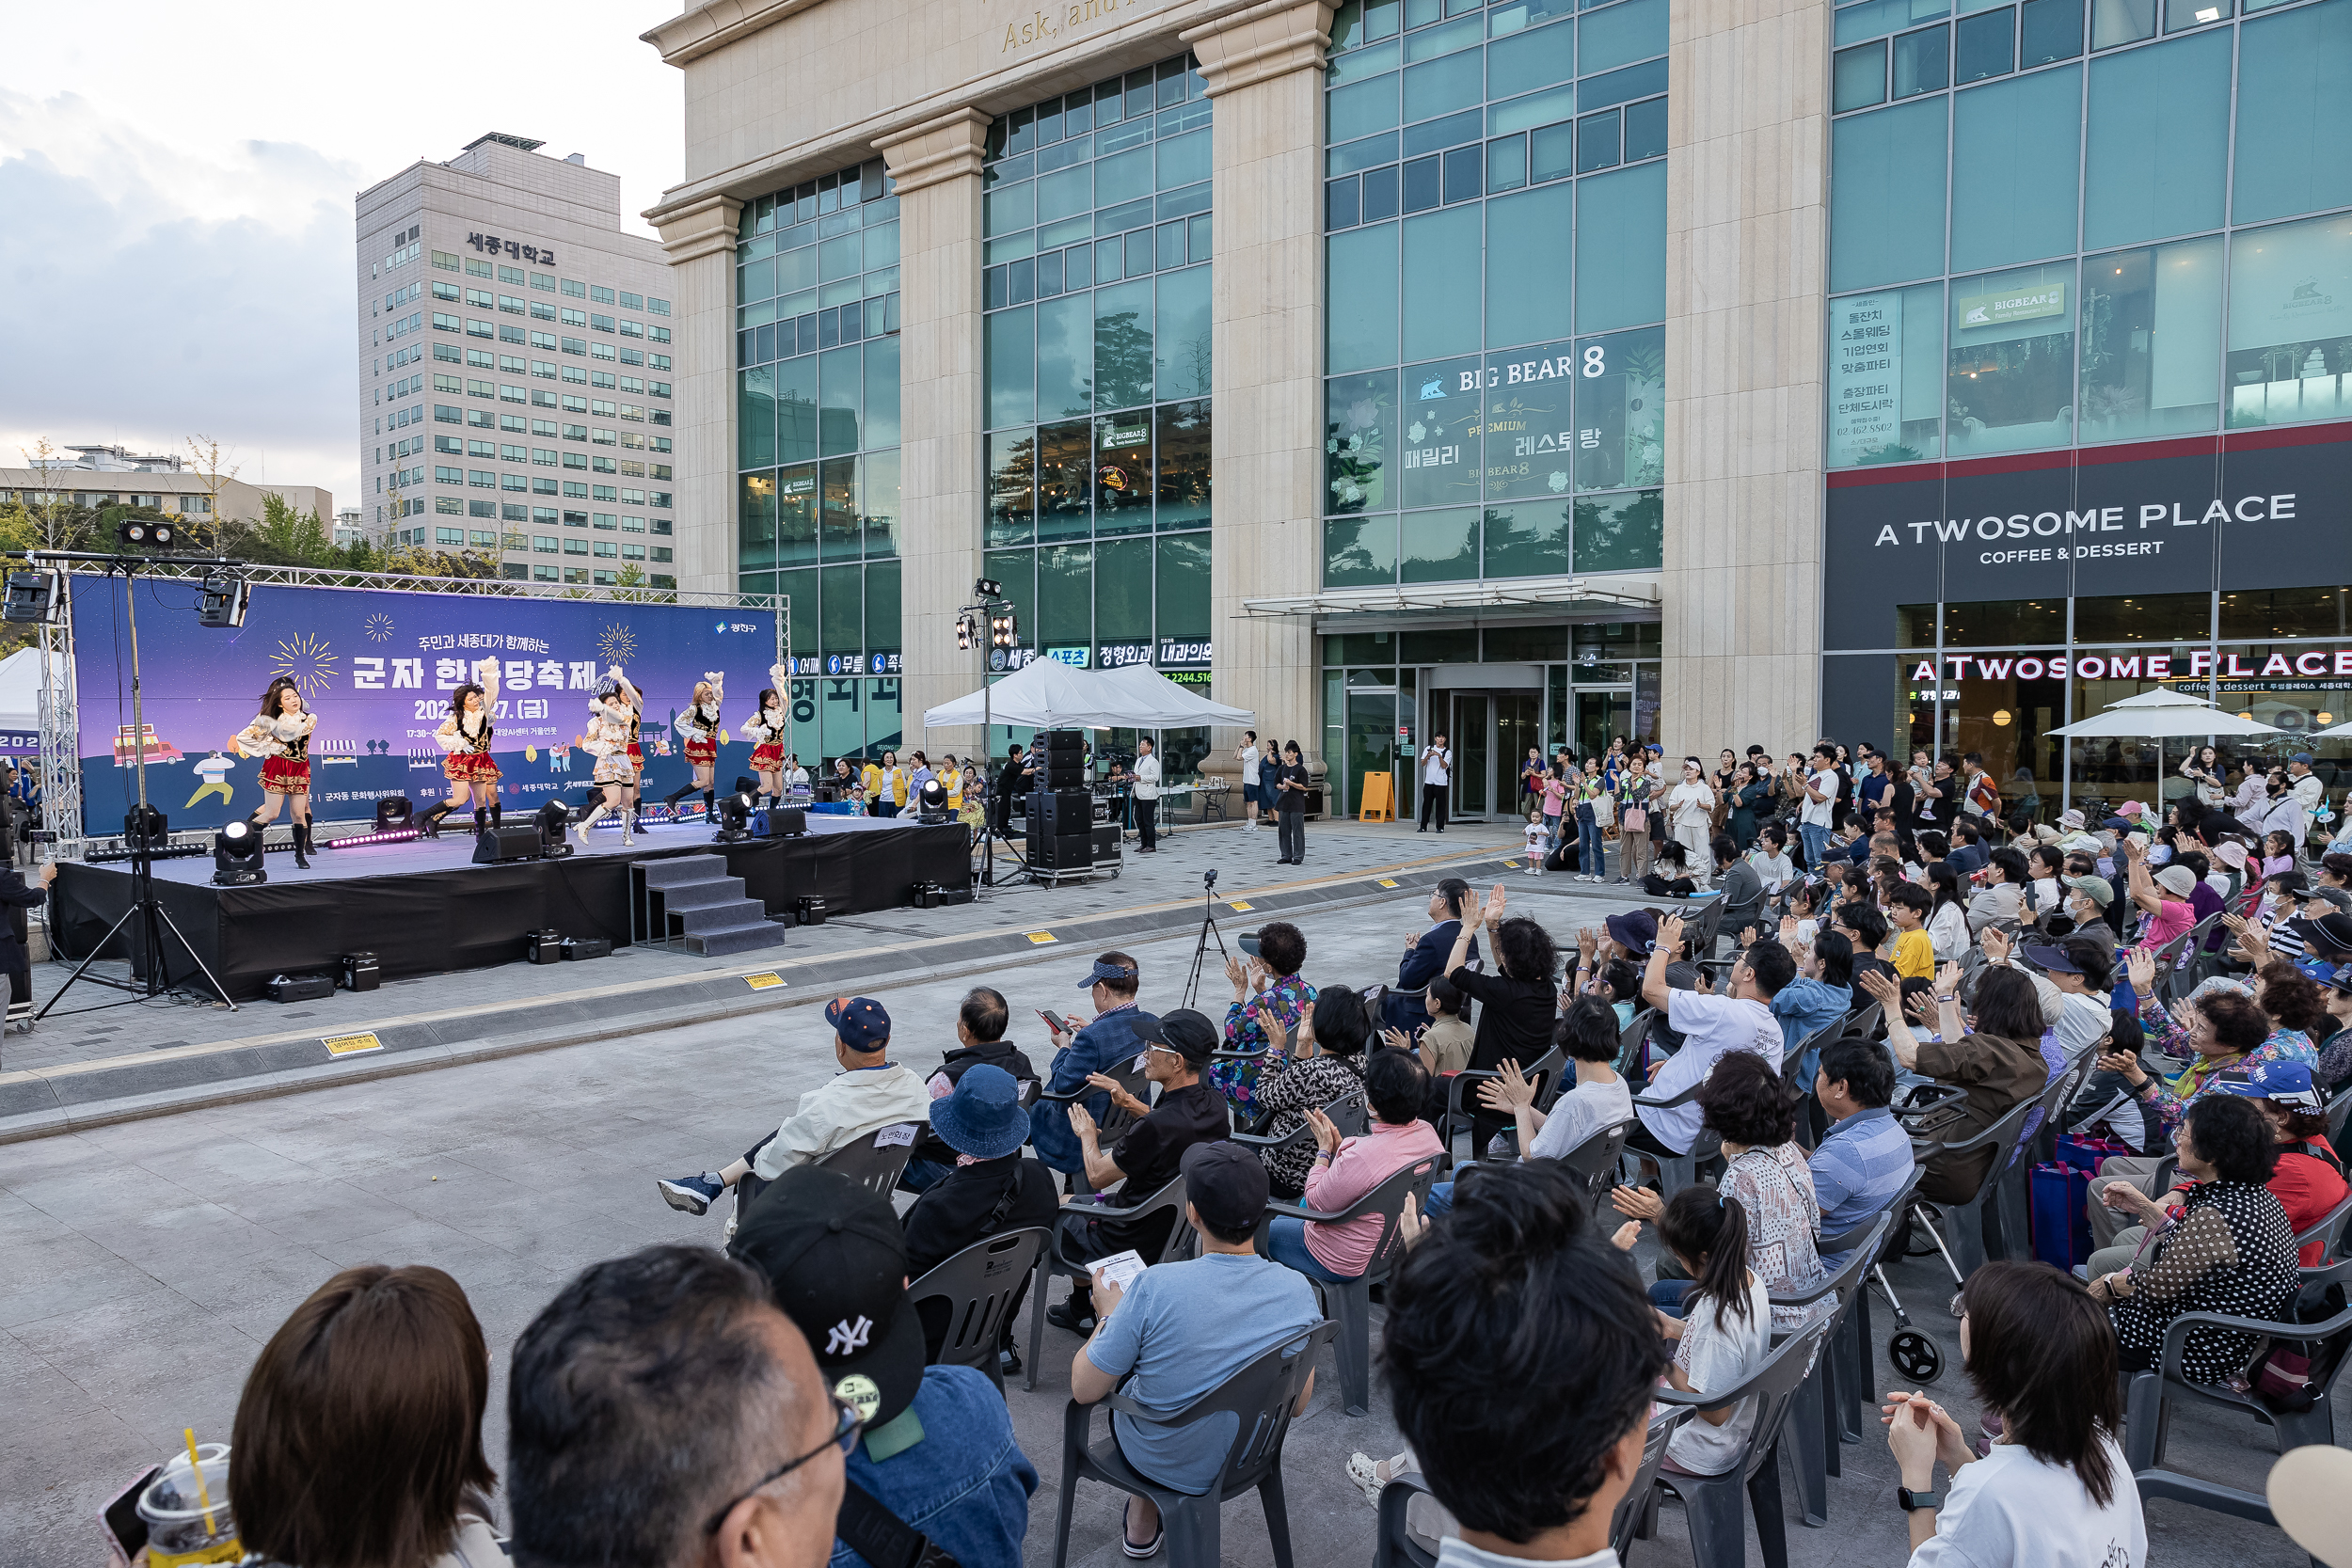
(673, 869)
(710, 918)
(736, 939)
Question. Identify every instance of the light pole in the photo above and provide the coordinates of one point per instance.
(990, 623)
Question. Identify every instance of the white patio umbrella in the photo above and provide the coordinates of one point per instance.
(2155, 721)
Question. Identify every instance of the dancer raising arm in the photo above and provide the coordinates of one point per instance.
(611, 739)
(282, 737)
(465, 735)
(699, 724)
(767, 728)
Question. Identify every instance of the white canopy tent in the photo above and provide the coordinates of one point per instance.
(19, 692)
(1160, 704)
(1047, 694)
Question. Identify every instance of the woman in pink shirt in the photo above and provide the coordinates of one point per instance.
(1347, 1168)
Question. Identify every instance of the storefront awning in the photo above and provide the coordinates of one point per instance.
(1565, 594)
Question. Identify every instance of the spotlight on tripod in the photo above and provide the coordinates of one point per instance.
(237, 856)
(931, 803)
(734, 818)
(553, 818)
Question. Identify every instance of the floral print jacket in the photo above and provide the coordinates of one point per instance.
(2173, 1096)
(1287, 997)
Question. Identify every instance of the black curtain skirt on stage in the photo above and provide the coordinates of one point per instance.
(423, 909)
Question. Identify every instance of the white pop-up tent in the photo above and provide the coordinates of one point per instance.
(1163, 705)
(1047, 694)
(20, 703)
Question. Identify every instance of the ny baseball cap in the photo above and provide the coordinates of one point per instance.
(835, 1257)
(860, 1021)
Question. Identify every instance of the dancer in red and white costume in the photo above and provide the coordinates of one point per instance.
(282, 737)
(767, 728)
(699, 724)
(465, 735)
(614, 721)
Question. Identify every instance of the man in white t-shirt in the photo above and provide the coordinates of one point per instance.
(1820, 805)
(1739, 1019)
(1147, 798)
(1437, 776)
(1249, 755)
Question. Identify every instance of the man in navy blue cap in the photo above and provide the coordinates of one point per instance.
(871, 1092)
(1112, 1041)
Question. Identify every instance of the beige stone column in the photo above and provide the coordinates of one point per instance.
(701, 242)
(936, 166)
(1264, 70)
(1747, 189)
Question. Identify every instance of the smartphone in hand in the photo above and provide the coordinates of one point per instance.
(125, 1531)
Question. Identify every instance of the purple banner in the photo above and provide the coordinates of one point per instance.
(378, 667)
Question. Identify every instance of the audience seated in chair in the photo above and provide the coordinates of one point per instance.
(1866, 1159)
(1325, 1062)
(935, 1444)
(1112, 1041)
(1183, 1328)
(982, 1020)
(1344, 1169)
(1998, 1062)
(1600, 1098)
(991, 1189)
(871, 1092)
(1712, 1027)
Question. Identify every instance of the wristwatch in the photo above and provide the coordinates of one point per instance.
(1911, 1502)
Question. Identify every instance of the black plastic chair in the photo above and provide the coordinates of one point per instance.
(1855, 1386)
(979, 1286)
(1678, 1171)
(1348, 1302)
(1813, 1427)
(2339, 1112)
(1351, 1113)
(1594, 1161)
(1052, 1263)
(2147, 1414)
(1262, 1396)
(1462, 1104)
(1711, 1503)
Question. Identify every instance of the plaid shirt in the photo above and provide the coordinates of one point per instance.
(1288, 997)
(2172, 1097)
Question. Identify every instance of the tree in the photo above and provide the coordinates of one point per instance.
(283, 537)
(206, 452)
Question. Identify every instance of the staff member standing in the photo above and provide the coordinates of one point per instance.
(1437, 764)
(1147, 796)
(1289, 806)
(1014, 781)
(1251, 785)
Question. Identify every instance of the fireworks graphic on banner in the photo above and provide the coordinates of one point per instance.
(306, 660)
(379, 629)
(618, 645)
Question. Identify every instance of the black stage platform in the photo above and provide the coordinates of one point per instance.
(424, 909)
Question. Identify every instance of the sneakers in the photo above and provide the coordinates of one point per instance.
(694, 1194)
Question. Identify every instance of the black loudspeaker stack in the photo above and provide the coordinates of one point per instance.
(1057, 814)
(508, 843)
(1062, 852)
(1065, 759)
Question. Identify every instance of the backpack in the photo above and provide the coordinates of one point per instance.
(2281, 1376)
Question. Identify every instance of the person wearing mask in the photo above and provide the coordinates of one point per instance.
(871, 1092)
(1425, 954)
(1750, 799)
(2230, 1251)
(1711, 1028)
(1267, 991)
(1148, 1154)
(1515, 1291)
(1183, 1328)
(1323, 1063)
(2053, 1490)
(1864, 1157)
(1346, 1169)
(331, 1451)
(1691, 812)
(935, 1444)
(1517, 1003)
(1437, 778)
(660, 1409)
(988, 1190)
(1083, 1053)
(2087, 898)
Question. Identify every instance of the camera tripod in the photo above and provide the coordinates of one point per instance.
(1208, 931)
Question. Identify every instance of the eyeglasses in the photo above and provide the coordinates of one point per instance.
(850, 1424)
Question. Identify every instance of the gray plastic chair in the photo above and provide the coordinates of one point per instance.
(1676, 1171)
(1262, 1396)
(1461, 1099)
(876, 1160)
(1351, 1113)
(1595, 1160)
(980, 1285)
(1812, 1430)
(2147, 1413)
(1348, 1302)
(1711, 1503)
(1051, 1261)
(2329, 1229)
(1396, 1546)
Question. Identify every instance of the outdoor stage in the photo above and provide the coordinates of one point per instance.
(423, 908)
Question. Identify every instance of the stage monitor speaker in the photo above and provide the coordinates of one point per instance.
(810, 910)
(1058, 812)
(587, 947)
(501, 844)
(544, 947)
(299, 988)
(787, 822)
(360, 972)
(1105, 841)
(1070, 741)
(924, 895)
(941, 897)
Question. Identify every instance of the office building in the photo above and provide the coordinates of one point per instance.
(516, 368)
(100, 476)
(1532, 374)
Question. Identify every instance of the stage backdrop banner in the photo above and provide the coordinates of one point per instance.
(378, 667)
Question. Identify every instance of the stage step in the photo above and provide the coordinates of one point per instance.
(763, 932)
(694, 899)
(672, 870)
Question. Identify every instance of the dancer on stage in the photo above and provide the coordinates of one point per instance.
(614, 720)
(465, 735)
(767, 728)
(699, 724)
(282, 737)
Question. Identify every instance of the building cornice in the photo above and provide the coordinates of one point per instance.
(701, 229)
(1260, 42)
(700, 30)
(937, 151)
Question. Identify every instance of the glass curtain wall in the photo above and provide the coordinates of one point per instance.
(1096, 293)
(2054, 226)
(816, 386)
(1495, 211)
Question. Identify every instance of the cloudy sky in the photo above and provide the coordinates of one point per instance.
(177, 179)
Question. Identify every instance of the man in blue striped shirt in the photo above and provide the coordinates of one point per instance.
(1866, 1158)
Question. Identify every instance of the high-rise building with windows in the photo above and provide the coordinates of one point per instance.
(517, 368)
(1932, 372)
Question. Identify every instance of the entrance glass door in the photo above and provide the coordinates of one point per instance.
(1518, 724)
(1371, 749)
(1601, 717)
(1474, 754)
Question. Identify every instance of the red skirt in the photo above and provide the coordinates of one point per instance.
(766, 758)
(285, 776)
(701, 753)
(636, 756)
(470, 767)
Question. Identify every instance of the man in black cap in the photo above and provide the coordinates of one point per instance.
(1183, 1328)
(1147, 1156)
(937, 1452)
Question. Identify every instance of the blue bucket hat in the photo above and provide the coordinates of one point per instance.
(983, 1117)
(2288, 1083)
(1636, 932)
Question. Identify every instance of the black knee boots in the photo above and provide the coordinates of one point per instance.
(710, 806)
(429, 825)
(676, 795)
(302, 844)
(496, 808)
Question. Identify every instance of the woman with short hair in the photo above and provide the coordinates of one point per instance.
(1325, 1062)
(1346, 1169)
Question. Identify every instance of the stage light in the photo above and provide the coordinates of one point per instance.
(222, 601)
(1004, 631)
(237, 856)
(35, 596)
(734, 818)
(988, 588)
(144, 534)
(963, 633)
(393, 811)
(146, 827)
(554, 818)
(360, 841)
(931, 802)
